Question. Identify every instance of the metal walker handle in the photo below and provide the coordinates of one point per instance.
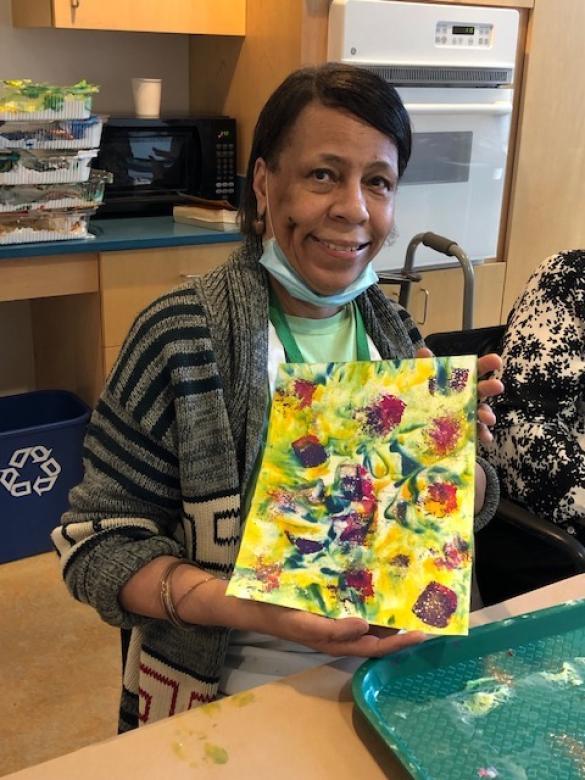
(452, 249)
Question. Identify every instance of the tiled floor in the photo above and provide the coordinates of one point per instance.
(59, 667)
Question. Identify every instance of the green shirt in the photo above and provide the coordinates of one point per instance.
(327, 340)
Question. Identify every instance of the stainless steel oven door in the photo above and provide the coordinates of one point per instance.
(454, 182)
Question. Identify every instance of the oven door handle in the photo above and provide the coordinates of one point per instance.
(499, 109)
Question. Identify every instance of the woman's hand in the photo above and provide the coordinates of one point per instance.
(486, 388)
(343, 637)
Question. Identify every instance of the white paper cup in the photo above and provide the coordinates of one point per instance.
(147, 97)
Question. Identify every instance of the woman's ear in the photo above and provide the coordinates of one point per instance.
(259, 185)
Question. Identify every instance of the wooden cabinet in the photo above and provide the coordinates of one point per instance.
(82, 306)
(42, 277)
(436, 302)
(130, 280)
(203, 17)
(67, 344)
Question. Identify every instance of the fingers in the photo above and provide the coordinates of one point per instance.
(424, 352)
(484, 434)
(393, 644)
(488, 363)
(486, 415)
(488, 388)
(346, 636)
(371, 646)
(374, 642)
(486, 419)
(346, 629)
(314, 630)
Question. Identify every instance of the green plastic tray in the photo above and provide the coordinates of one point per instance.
(506, 702)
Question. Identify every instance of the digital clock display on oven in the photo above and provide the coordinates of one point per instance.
(463, 30)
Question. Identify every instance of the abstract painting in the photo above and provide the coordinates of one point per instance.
(363, 504)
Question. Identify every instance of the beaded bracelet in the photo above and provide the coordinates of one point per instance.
(166, 597)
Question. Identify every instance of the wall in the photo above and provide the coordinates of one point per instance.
(281, 36)
(548, 195)
(63, 57)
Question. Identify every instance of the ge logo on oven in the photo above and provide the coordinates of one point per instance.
(24, 463)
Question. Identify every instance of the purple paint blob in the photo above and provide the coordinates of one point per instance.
(356, 527)
(435, 605)
(456, 553)
(458, 379)
(360, 581)
(445, 434)
(350, 483)
(304, 546)
(304, 391)
(309, 451)
(385, 414)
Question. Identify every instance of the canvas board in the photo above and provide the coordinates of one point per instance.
(363, 504)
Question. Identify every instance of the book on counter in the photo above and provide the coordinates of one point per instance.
(215, 215)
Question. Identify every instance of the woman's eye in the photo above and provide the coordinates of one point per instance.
(322, 175)
(381, 183)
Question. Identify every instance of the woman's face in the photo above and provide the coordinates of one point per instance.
(330, 201)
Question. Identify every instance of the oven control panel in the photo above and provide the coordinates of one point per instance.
(464, 35)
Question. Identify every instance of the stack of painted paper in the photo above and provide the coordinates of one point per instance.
(48, 139)
(364, 500)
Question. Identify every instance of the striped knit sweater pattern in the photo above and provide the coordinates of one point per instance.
(169, 450)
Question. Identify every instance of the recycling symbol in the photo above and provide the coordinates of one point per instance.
(11, 477)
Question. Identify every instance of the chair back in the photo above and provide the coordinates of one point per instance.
(477, 341)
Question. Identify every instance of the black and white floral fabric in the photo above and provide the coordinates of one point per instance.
(539, 440)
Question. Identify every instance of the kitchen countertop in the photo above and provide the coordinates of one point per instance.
(301, 726)
(122, 234)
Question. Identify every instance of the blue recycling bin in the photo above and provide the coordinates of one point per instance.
(41, 440)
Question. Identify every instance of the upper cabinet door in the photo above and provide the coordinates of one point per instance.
(202, 17)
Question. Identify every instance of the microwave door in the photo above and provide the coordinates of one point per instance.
(453, 184)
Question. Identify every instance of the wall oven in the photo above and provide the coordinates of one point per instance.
(453, 67)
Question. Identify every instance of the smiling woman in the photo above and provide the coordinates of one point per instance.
(329, 202)
(174, 446)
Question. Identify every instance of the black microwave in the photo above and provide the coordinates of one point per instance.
(158, 163)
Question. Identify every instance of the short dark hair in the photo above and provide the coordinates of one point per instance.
(356, 90)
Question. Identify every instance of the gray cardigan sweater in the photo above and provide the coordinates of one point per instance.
(168, 454)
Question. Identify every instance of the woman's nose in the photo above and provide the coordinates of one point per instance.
(350, 203)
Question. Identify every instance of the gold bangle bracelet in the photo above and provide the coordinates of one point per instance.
(166, 596)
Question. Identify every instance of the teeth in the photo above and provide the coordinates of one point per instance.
(339, 248)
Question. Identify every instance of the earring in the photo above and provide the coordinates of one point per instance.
(259, 225)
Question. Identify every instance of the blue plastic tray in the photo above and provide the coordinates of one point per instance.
(506, 702)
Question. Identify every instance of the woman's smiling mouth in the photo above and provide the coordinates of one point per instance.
(341, 247)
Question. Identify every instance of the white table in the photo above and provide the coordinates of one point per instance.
(302, 727)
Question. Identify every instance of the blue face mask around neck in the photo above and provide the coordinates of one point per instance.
(275, 262)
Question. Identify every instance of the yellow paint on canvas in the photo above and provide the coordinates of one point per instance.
(364, 500)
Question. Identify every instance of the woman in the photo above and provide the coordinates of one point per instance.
(173, 444)
(539, 447)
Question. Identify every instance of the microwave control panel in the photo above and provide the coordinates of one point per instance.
(225, 152)
(464, 35)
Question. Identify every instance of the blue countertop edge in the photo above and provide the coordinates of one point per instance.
(112, 235)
